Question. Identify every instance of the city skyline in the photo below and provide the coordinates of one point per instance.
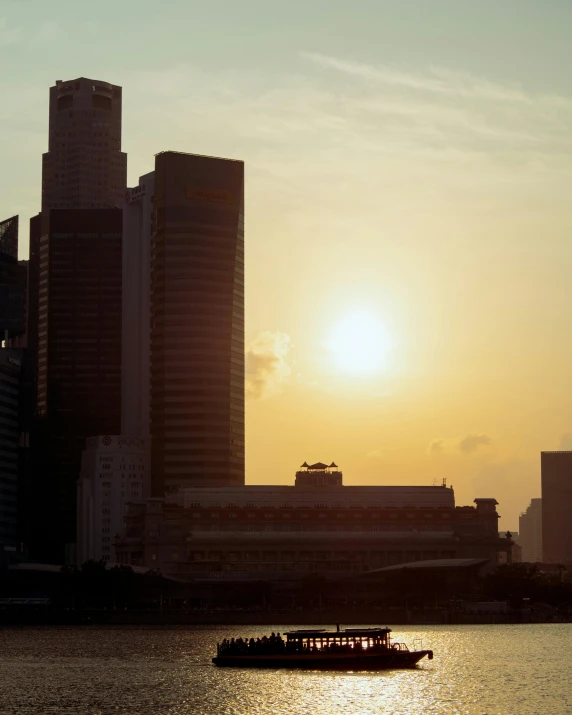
(466, 280)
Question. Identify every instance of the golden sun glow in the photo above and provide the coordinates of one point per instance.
(359, 343)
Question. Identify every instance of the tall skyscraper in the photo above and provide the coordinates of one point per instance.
(197, 322)
(84, 166)
(556, 470)
(136, 330)
(74, 296)
(530, 532)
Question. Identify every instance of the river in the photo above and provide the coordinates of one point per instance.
(477, 670)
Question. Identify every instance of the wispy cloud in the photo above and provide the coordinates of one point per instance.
(472, 442)
(468, 445)
(267, 368)
(435, 80)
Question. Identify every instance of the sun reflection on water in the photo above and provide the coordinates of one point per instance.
(477, 670)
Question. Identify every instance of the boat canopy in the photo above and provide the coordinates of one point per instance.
(347, 633)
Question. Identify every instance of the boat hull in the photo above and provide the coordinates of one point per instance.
(317, 661)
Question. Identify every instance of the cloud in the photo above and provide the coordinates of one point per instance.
(436, 446)
(436, 80)
(472, 442)
(267, 369)
(468, 445)
(566, 441)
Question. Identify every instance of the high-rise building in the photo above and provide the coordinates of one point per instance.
(197, 322)
(79, 358)
(530, 532)
(84, 166)
(556, 471)
(136, 329)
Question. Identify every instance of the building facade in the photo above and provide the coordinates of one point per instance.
(78, 358)
(136, 301)
(114, 471)
(530, 532)
(287, 532)
(10, 363)
(556, 475)
(84, 167)
(197, 322)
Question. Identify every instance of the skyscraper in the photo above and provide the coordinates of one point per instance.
(556, 470)
(84, 166)
(74, 296)
(197, 322)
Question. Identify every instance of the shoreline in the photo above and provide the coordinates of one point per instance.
(260, 618)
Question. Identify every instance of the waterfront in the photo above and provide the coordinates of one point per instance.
(478, 670)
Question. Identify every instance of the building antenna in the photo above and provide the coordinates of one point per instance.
(444, 484)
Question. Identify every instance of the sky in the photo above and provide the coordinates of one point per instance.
(408, 214)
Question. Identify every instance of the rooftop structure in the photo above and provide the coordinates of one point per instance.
(84, 167)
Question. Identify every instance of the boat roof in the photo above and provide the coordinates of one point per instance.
(323, 633)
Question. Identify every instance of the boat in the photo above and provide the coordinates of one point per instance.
(320, 649)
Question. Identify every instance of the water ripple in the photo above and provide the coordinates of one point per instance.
(477, 670)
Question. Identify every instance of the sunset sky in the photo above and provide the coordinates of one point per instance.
(408, 212)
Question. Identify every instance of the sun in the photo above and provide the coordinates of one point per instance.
(359, 343)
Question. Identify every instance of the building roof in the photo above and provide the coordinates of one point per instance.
(440, 564)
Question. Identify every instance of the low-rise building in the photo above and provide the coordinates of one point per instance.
(115, 470)
(316, 526)
(516, 549)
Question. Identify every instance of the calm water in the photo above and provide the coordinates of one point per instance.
(497, 670)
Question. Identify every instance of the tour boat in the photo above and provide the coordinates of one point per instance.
(347, 649)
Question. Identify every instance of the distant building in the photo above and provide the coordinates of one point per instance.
(197, 322)
(84, 167)
(10, 365)
(530, 532)
(516, 549)
(115, 471)
(317, 526)
(136, 305)
(13, 282)
(556, 470)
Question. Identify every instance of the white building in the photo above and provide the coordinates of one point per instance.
(115, 470)
(135, 337)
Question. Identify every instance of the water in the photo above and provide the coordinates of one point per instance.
(492, 670)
